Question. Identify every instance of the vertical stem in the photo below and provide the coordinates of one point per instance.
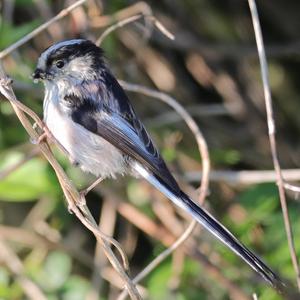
(272, 138)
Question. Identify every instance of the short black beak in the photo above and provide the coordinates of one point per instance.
(38, 74)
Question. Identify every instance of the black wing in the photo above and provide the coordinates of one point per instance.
(113, 118)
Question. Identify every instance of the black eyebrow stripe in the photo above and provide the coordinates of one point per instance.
(60, 54)
(72, 51)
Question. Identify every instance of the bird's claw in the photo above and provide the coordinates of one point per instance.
(46, 134)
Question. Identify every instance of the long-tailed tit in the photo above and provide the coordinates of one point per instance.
(88, 112)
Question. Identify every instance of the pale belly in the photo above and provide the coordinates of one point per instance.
(93, 154)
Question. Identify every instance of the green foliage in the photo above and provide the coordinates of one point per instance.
(75, 288)
(29, 182)
(110, 44)
(169, 154)
(4, 283)
(53, 277)
(225, 157)
(263, 228)
(161, 282)
(115, 5)
(10, 34)
(55, 271)
(20, 3)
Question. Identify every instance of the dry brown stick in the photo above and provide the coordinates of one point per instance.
(115, 26)
(205, 169)
(39, 29)
(272, 137)
(14, 264)
(135, 9)
(128, 15)
(107, 223)
(72, 195)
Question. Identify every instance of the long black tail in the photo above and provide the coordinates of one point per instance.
(217, 229)
(225, 236)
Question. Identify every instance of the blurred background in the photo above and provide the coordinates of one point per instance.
(211, 68)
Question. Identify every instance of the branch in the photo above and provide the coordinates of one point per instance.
(131, 19)
(245, 176)
(272, 138)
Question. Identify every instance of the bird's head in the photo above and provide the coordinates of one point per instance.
(76, 59)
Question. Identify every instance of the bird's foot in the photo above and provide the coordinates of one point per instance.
(84, 192)
(44, 136)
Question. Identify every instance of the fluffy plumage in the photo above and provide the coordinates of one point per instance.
(90, 115)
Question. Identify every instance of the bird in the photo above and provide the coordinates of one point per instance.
(90, 115)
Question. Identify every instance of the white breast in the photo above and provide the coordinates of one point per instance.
(93, 153)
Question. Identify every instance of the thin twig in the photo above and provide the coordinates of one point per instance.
(41, 28)
(292, 187)
(161, 28)
(131, 19)
(115, 26)
(137, 8)
(132, 10)
(107, 222)
(272, 138)
(246, 177)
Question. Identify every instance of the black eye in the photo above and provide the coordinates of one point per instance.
(59, 64)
